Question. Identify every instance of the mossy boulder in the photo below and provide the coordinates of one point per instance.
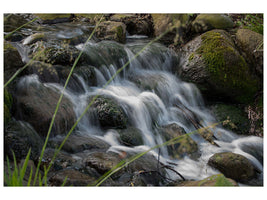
(185, 146)
(234, 166)
(20, 137)
(36, 103)
(206, 22)
(252, 44)
(131, 136)
(110, 30)
(108, 113)
(49, 18)
(12, 60)
(212, 62)
(214, 180)
(235, 115)
(163, 22)
(13, 21)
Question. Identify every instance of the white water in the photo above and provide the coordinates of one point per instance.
(155, 106)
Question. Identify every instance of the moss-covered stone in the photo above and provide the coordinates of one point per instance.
(206, 22)
(228, 69)
(48, 18)
(233, 166)
(218, 69)
(131, 136)
(214, 180)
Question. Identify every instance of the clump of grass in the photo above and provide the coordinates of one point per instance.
(253, 22)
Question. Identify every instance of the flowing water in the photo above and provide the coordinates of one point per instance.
(152, 96)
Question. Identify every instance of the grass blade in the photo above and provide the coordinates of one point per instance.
(24, 167)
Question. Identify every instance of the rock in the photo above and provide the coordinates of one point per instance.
(46, 72)
(12, 60)
(252, 44)
(163, 22)
(54, 18)
(13, 21)
(233, 166)
(136, 24)
(74, 178)
(206, 22)
(78, 143)
(20, 137)
(36, 103)
(212, 62)
(184, 147)
(110, 30)
(34, 38)
(238, 121)
(131, 136)
(108, 113)
(214, 180)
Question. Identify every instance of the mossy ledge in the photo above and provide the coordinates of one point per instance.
(227, 67)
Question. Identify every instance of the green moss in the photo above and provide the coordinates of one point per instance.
(119, 33)
(8, 99)
(228, 69)
(220, 180)
(8, 46)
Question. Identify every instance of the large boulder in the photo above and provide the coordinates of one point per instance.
(108, 113)
(252, 44)
(48, 18)
(206, 22)
(130, 136)
(19, 138)
(212, 62)
(36, 103)
(110, 30)
(234, 166)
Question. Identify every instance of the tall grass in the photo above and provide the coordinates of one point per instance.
(15, 178)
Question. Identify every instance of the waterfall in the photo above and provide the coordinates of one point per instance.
(151, 96)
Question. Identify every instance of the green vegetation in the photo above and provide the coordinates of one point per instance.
(253, 22)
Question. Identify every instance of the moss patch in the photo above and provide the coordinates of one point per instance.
(228, 69)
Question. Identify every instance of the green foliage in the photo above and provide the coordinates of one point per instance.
(253, 22)
(16, 177)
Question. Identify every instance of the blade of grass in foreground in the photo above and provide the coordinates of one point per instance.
(126, 162)
(59, 101)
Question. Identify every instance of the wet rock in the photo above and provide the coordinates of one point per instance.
(233, 166)
(206, 22)
(212, 62)
(47, 18)
(252, 44)
(46, 72)
(131, 136)
(36, 103)
(74, 178)
(110, 30)
(152, 178)
(184, 147)
(108, 113)
(8, 102)
(78, 143)
(13, 21)
(238, 121)
(34, 38)
(20, 137)
(214, 180)
(12, 60)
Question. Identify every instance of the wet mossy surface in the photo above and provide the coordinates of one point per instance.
(228, 69)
